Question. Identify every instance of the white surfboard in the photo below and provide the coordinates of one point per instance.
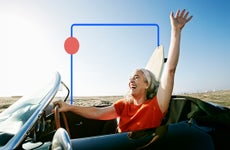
(156, 62)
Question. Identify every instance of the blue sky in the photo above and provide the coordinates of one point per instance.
(33, 34)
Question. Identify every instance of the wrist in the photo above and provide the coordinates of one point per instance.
(175, 33)
(67, 107)
(176, 30)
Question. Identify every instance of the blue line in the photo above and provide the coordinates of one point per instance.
(120, 24)
(71, 79)
(106, 24)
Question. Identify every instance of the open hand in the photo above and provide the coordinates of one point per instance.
(181, 18)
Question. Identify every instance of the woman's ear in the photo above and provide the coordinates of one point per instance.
(147, 86)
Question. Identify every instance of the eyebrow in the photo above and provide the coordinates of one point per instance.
(136, 75)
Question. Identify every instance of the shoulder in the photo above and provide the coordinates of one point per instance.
(152, 102)
(155, 105)
(120, 102)
(119, 105)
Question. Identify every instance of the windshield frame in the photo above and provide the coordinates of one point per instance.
(44, 102)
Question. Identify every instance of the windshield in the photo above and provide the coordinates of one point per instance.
(14, 117)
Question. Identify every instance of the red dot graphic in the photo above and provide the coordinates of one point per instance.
(71, 45)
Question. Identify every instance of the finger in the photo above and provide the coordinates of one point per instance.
(189, 18)
(172, 15)
(186, 15)
(182, 13)
(57, 103)
(177, 13)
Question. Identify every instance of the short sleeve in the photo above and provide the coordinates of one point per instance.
(119, 106)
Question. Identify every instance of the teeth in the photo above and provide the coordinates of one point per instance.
(133, 87)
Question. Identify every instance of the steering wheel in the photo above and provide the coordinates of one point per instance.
(57, 119)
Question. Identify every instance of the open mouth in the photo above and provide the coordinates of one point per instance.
(133, 86)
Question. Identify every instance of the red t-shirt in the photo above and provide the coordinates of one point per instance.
(133, 117)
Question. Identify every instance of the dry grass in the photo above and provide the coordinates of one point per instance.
(5, 102)
(221, 97)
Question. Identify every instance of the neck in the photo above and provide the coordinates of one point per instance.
(139, 100)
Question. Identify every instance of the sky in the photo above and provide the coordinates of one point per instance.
(32, 36)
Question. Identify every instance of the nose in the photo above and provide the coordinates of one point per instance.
(131, 81)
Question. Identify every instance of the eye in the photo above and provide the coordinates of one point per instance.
(135, 77)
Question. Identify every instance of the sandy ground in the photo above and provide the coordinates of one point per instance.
(219, 97)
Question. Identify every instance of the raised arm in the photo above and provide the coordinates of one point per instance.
(167, 81)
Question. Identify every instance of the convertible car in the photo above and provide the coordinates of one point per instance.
(32, 122)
